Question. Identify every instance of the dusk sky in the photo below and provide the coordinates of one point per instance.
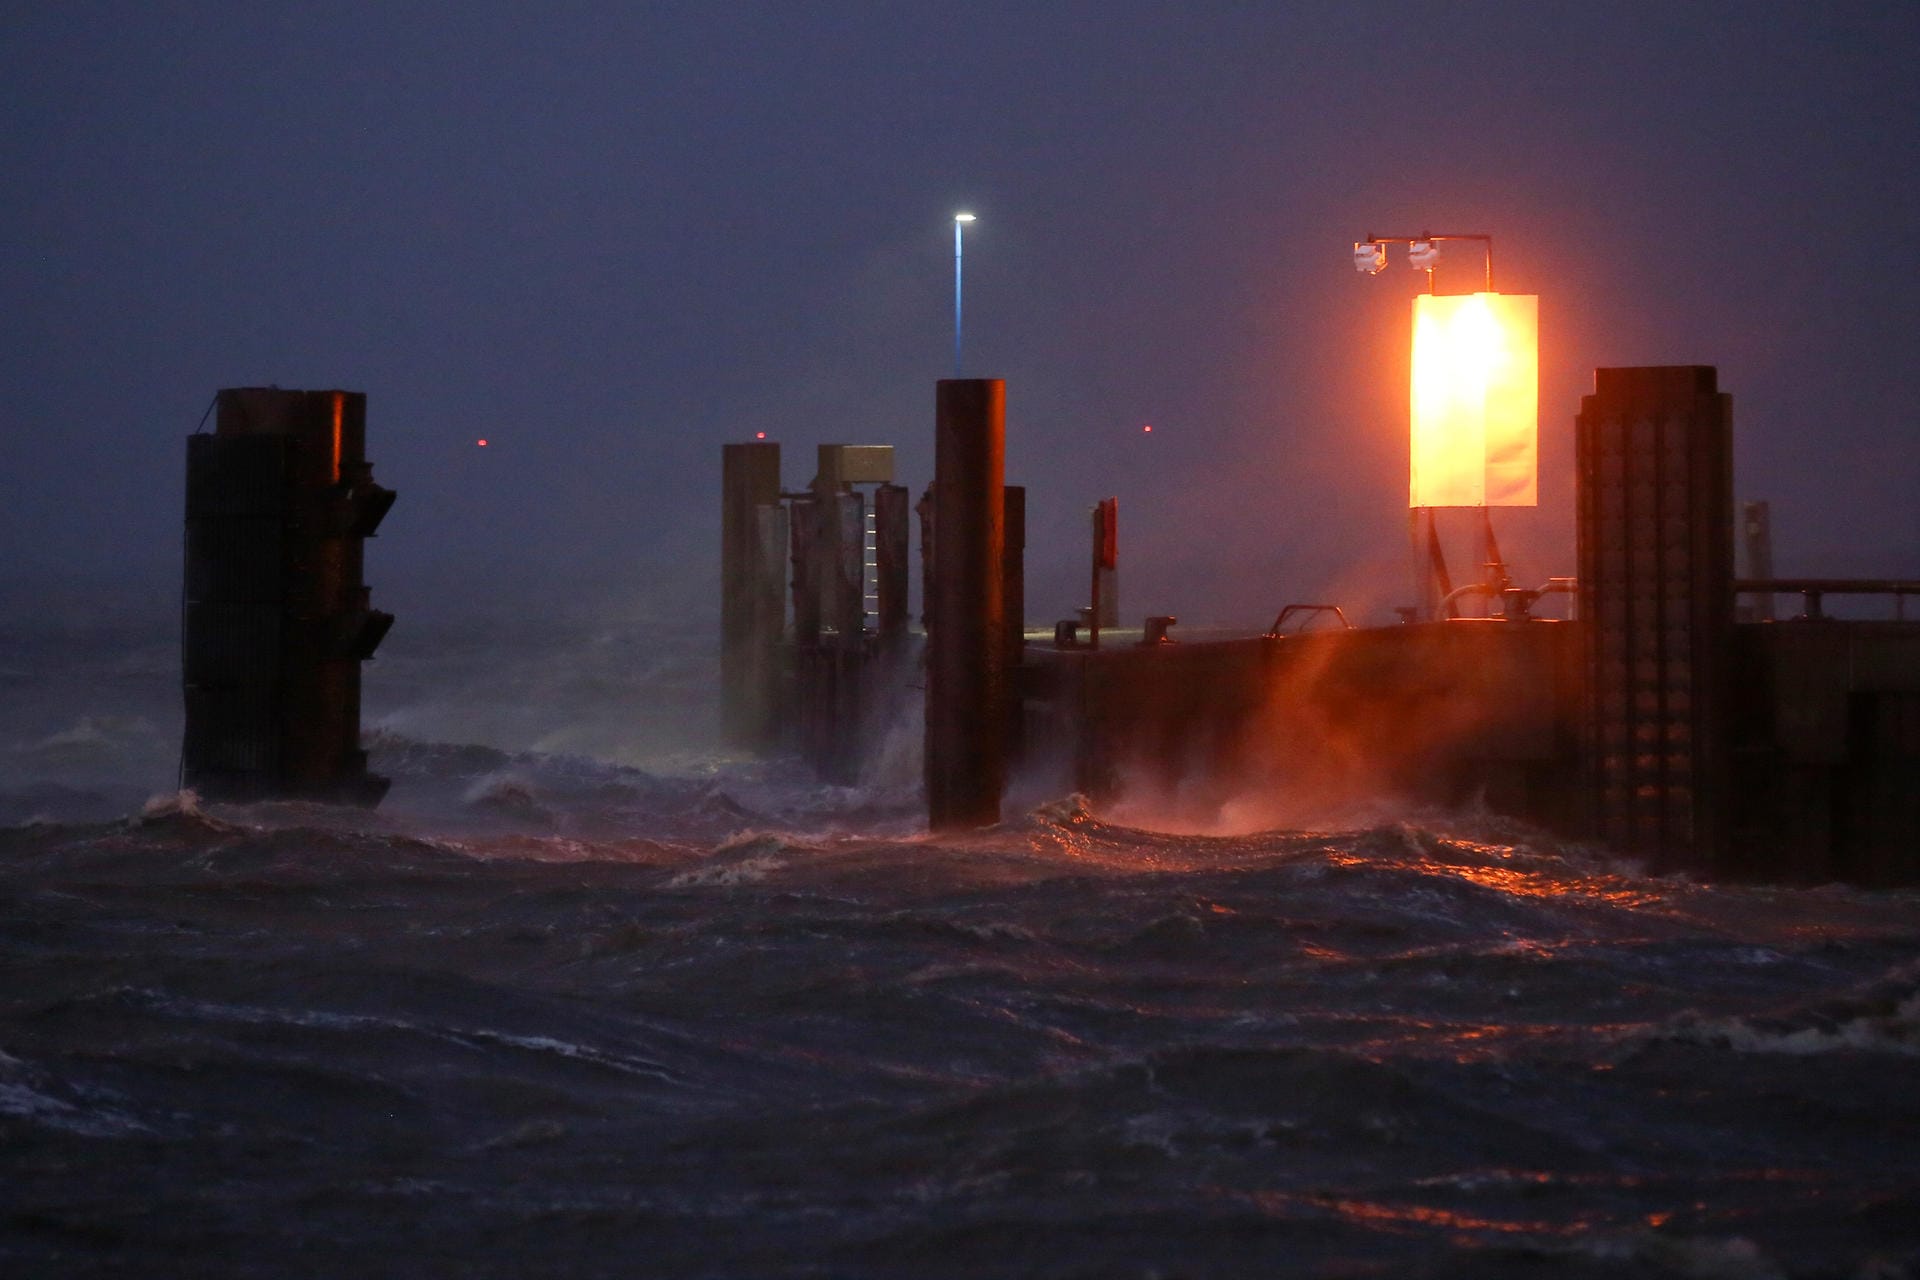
(608, 238)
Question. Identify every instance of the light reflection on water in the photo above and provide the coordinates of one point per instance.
(1419, 1043)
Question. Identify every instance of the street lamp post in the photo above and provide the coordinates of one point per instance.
(960, 220)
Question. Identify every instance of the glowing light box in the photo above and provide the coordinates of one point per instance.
(1476, 401)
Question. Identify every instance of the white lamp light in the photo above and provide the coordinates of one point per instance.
(960, 220)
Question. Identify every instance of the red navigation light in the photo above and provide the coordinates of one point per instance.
(759, 435)
(1148, 428)
(481, 442)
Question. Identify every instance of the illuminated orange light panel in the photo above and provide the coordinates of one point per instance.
(339, 407)
(1476, 401)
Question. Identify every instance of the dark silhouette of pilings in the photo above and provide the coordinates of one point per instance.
(1013, 591)
(891, 509)
(277, 618)
(966, 607)
(752, 586)
(1654, 493)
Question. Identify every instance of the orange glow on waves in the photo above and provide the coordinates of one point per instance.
(1475, 401)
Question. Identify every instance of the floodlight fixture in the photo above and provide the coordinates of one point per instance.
(1423, 253)
(1475, 384)
(1474, 420)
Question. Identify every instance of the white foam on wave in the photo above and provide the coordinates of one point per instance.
(751, 871)
(508, 792)
(1069, 810)
(997, 931)
(322, 1020)
(185, 802)
(21, 1100)
(743, 860)
(179, 811)
(576, 1052)
(1883, 1018)
(895, 767)
(1897, 1034)
(1694, 1257)
(24, 1103)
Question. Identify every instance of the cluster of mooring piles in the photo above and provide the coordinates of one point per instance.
(1662, 717)
(1658, 718)
(817, 653)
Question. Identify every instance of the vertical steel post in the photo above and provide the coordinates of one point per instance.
(1654, 494)
(1758, 522)
(846, 574)
(278, 618)
(1103, 609)
(750, 624)
(1013, 572)
(1431, 582)
(803, 530)
(890, 561)
(1013, 587)
(966, 606)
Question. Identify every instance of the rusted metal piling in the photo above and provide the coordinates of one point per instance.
(752, 584)
(1103, 593)
(277, 616)
(1650, 719)
(1655, 518)
(1013, 591)
(890, 527)
(966, 607)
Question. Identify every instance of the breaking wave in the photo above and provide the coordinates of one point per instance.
(565, 1007)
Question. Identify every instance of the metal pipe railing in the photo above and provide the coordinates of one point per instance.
(1812, 590)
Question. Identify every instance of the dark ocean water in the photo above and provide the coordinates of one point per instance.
(585, 998)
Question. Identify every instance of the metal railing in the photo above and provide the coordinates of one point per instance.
(1813, 590)
(1309, 612)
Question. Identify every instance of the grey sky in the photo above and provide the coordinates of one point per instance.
(610, 237)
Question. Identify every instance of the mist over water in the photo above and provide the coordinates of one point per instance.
(586, 996)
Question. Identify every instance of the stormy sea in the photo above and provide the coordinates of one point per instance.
(586, 997)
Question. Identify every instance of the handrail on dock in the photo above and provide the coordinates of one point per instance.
(1311, 611)
(1812, 590)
